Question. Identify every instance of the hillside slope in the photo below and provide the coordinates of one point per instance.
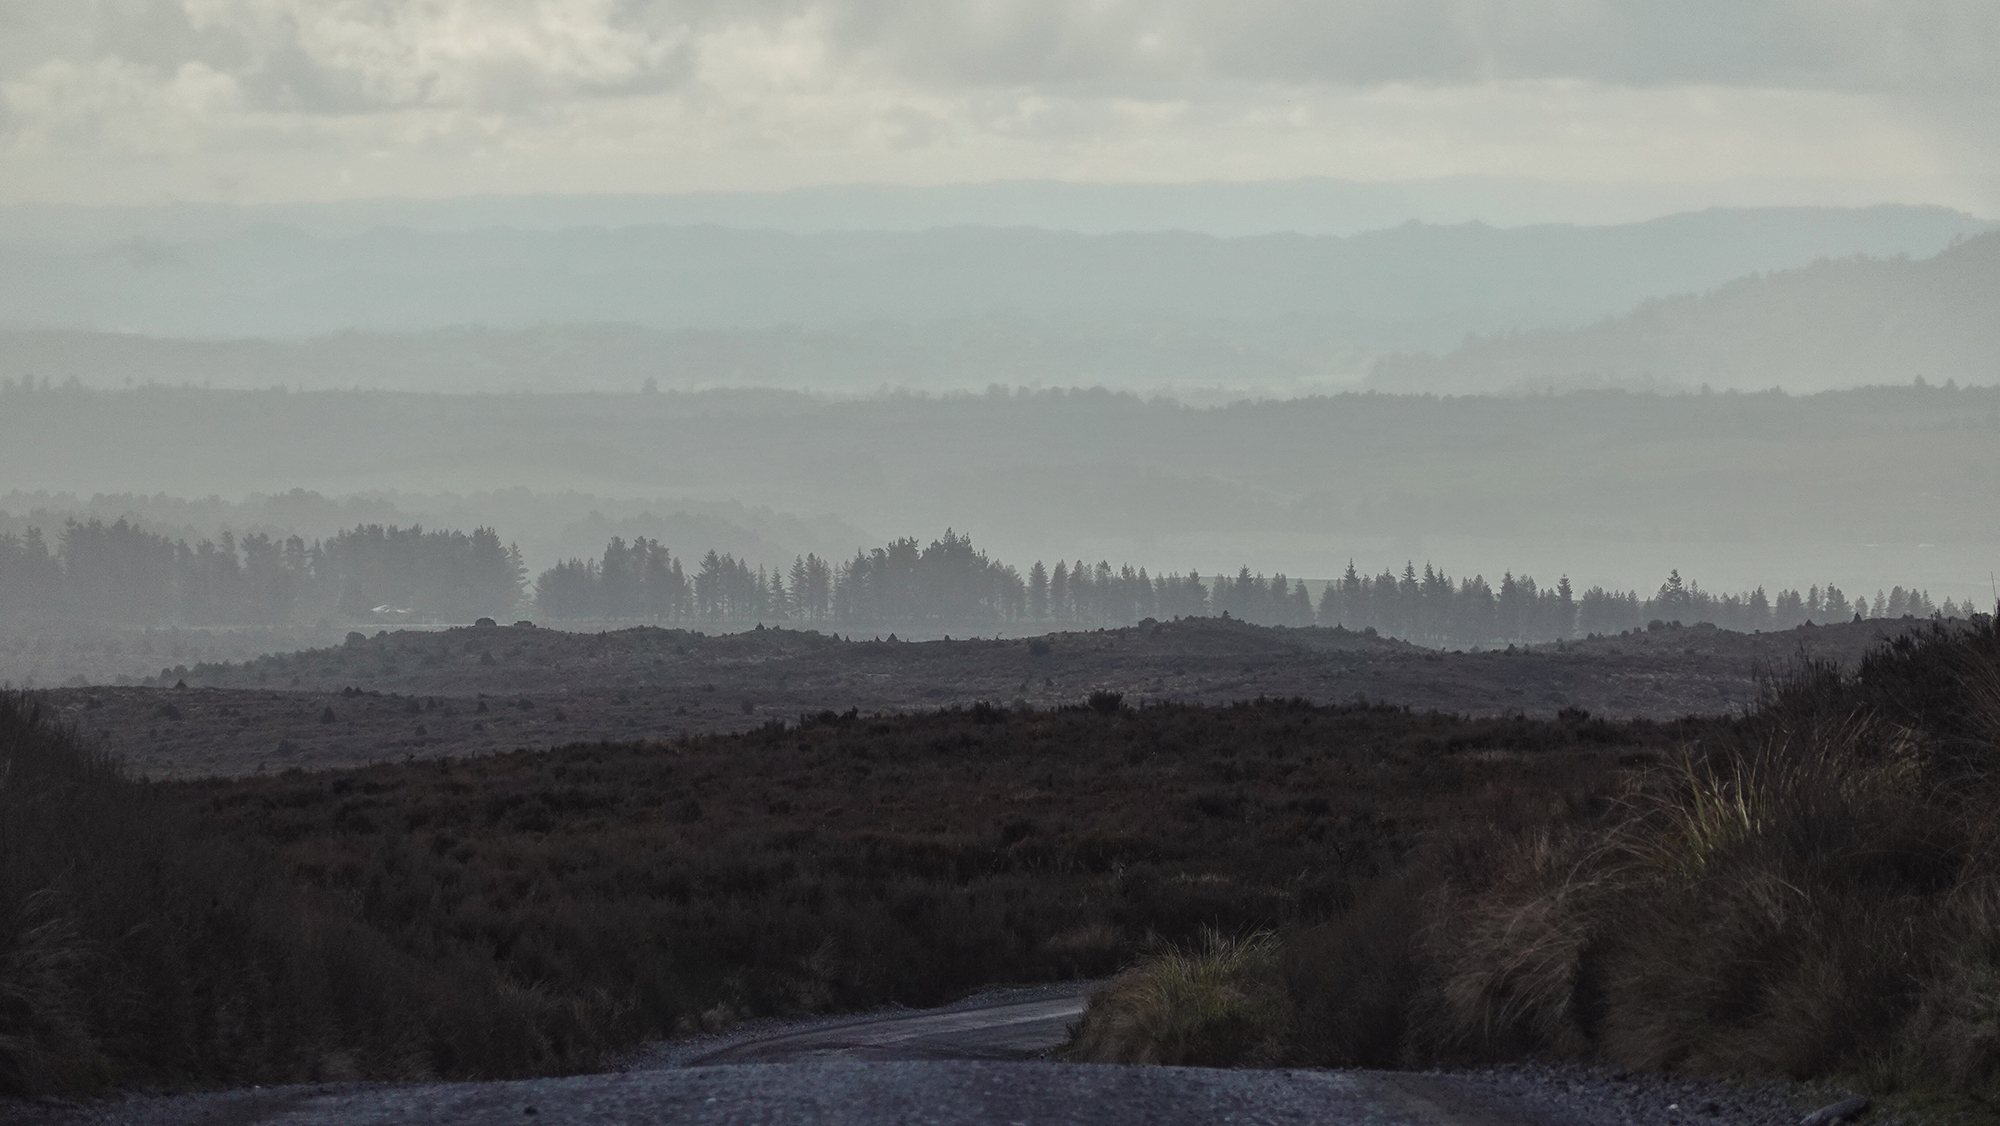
(480, 691)
(1309, 298)
(1834, 323)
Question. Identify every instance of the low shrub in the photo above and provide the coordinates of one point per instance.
(525, 913)
(138, 946)
(1349, 981)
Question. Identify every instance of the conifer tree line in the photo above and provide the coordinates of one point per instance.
(123, 573)
(949, 586)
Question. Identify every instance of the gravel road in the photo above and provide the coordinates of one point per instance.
(844, 1092)
(1000, 1024)
(964, 1065)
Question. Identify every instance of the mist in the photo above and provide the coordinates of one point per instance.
(1280, 290)
(1869, 487)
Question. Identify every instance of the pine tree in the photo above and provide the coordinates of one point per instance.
(1672, 602)
(1302, 605)
(1758, 611)
(780, 600)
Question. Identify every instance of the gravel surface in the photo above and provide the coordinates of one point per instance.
(658, 1085)
(949, 1093)
(1605, 1096)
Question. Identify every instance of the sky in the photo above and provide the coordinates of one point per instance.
(1735, 101)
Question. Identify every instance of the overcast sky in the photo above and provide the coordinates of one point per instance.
(267, 100)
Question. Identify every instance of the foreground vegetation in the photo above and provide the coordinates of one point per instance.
(531, 912)
(1807, 891)
(138, 945)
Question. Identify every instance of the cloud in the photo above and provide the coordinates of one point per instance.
(722, 92)
(1762, 43)
(108, 102)
(1821, 44)
(345, 55)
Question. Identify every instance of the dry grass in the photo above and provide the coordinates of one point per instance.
(1506, 963)
(1222, 1004)
(1807, 892)
(45, 1035)
(1810, 891)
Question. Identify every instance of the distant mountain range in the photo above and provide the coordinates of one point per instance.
(582, 307)
(1307, 206)
(1838, 322)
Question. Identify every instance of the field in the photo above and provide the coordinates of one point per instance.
(851, 861)
(528, 912)
(50, 653)
(1305, 882)
(462, 692)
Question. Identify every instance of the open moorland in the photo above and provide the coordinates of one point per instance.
(1803, 889)
(525, 913)
(481, 690)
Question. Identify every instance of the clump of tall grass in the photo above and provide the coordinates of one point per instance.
(1812, 891)
(1221, 1004)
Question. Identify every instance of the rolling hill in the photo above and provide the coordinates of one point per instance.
(1833, 323)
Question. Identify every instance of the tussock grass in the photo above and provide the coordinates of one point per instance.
(1811, 890)
(1222, 1004)
(1808, 892)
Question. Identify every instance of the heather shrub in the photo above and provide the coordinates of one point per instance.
(139, 947)
(1350, 980)
(525, 913)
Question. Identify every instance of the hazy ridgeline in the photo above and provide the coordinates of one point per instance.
(1193, 314)
(1845, 321)
(122, 574)
(1753, 485)
(608, 302)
